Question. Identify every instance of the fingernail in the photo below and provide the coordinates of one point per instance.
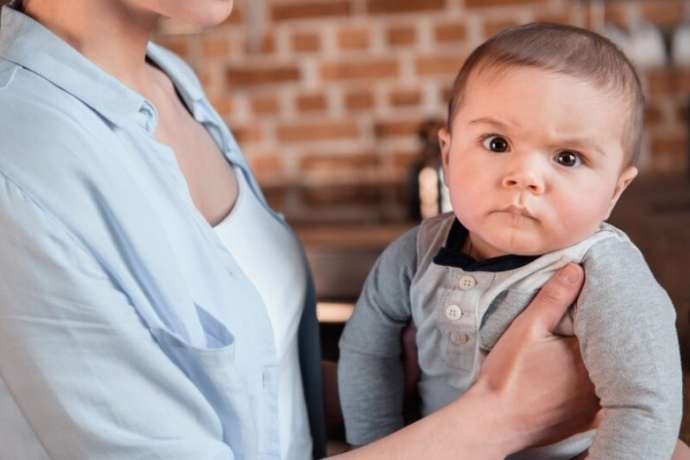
(568, 274)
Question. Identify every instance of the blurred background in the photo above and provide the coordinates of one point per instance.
(336, 104)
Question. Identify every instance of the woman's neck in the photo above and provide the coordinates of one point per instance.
(108, 32)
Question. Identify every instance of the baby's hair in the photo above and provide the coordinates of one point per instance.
(567, 50)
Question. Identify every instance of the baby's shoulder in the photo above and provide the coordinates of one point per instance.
(610, 249)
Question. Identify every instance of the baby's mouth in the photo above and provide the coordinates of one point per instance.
(518, 211)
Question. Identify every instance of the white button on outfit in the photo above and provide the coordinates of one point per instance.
(467, 282)
(459, 338)
(453, 312)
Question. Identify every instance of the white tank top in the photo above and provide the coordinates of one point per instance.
(270, 257)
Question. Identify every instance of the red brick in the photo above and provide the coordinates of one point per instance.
(403, 6)
(369, 69)
(616, 13)
(267, 45)
(566, 17)
(663, 12)
(276, 194)
(346, 194)
(660, 81)
(311, 102)
(306, 42)
(265, 105)
(664, 144)
(251, 132)
(446, 92)
(336, 164)
(405, 97)
(491, 28)
(491, 3)
(652, 115)
(262, 74)
(266, 167)
(359, 100)
(212, 47)
(236, 17)
(682, 77)
(353, 38)
(310, 9)
(403, 160)
(401, 36)
(453, 32)
(668, 154)
(321, 131)
(396, 128)
(439, 64)
(224, 105)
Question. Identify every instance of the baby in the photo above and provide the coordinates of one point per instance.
(543, 133)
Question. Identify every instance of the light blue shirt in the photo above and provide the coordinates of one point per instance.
(127, 330)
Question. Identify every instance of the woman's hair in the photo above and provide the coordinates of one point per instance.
(562, 49)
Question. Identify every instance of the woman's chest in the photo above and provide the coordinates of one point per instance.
(210, 180)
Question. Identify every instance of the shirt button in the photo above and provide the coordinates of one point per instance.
(459, 338)
(453, 312)
(467, 282)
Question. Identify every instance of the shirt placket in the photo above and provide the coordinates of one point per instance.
(458, 317)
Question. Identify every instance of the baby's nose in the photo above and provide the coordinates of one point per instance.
(524, 180)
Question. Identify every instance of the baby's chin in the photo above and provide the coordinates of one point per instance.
(519, 244)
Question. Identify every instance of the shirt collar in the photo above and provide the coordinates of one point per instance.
(29, 44)
(451, 255)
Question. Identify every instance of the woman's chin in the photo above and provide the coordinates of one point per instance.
(203, 14)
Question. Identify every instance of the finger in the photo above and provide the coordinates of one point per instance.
(554, 298)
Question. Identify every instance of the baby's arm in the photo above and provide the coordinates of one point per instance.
(370, 372)
(626, 326)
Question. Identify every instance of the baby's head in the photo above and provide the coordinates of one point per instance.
(543, 133)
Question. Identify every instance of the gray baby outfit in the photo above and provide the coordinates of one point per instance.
(623, 319)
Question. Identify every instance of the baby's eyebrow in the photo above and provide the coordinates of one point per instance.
(490, 121)
(580, 144)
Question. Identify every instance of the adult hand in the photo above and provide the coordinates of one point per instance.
(539, 378)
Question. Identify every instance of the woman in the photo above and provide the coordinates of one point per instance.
(151, 304)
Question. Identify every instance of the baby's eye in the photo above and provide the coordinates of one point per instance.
(496, 144)
(568, 158)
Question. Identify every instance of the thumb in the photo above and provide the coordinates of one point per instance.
(554, 298)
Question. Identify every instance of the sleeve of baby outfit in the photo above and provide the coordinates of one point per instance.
(370, 371)
(625, 323)
(80, 376)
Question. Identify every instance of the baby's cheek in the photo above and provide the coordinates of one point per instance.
(467, 204)
(576, 219)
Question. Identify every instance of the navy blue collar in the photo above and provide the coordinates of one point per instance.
(451, 255)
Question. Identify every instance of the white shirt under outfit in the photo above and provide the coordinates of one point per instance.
(268, 253)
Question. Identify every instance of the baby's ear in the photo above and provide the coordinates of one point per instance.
(444, 143)
(624, 180)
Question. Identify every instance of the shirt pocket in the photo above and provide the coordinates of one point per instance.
(213, 371)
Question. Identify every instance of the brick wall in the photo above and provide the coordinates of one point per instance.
(327, 99)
